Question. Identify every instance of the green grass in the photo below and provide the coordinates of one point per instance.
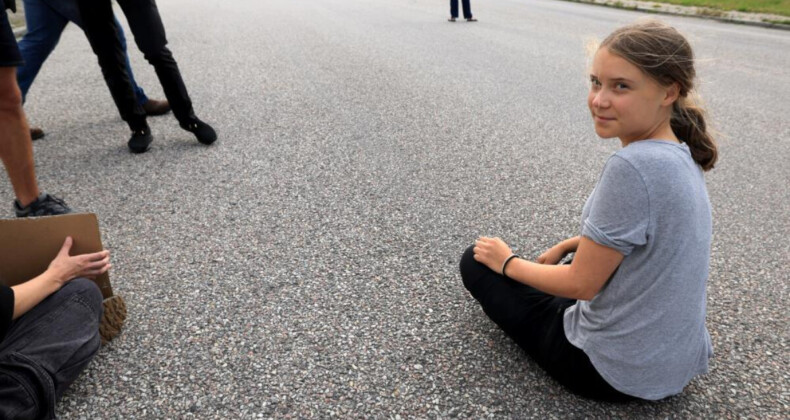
(779, 7)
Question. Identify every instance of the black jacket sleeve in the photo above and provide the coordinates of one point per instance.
(6, 310)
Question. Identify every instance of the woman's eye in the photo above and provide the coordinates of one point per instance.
(621, 86)
(595, 82)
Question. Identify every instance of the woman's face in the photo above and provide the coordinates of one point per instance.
(625, 102)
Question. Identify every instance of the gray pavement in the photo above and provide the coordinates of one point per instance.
(306, 264)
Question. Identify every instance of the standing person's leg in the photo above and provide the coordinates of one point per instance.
(69, 10)
(138, 91)
(467, 10)
(47, 348)
(16, 150)
(534, 320)
(44, 26)
(98, 22)
(454, 9)
(149, 34)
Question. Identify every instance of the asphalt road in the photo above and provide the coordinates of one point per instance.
(306, 265)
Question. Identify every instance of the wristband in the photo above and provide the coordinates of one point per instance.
(504, 265)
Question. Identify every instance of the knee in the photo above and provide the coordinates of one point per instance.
(10, 95)
(469, 267)
(88, 291)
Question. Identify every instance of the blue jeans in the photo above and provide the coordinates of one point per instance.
(46, 20)
(47, 348)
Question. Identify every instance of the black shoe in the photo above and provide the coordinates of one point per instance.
(452, 19)
(471, 19)
(140, 140)
(44, 205)
(204, 133)
(36, 133)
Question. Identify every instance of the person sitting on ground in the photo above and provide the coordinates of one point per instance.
(49, 331)
(625, 319)
(46, 20)
(16, 150)
(149, 34)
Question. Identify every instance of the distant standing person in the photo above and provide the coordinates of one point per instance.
(467, 11)
(149, 35)
(16, 149)
(46, 20)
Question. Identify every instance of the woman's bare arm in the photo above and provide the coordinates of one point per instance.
(554, 254)
(61, 270)
(592, 266)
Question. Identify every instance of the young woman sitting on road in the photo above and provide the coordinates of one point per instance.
(626, 318)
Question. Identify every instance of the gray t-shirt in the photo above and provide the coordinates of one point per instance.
(645, 330)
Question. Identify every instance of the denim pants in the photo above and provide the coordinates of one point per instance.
(149, 35)
(47, 348)
(534, 320)
(46, 20)
(467, 8)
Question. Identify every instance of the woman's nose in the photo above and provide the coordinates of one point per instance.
(600, 100)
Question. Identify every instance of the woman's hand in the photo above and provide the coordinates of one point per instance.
(553, 255)
(65, 267)
(492, 252)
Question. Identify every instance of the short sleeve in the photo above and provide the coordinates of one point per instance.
(620, 209)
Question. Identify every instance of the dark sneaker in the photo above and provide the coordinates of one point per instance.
(154, 107)
(204, 133)
(112, 318)
(471, 19)
(452, 19)
(44, 205)
(140, 140)
(36, 133)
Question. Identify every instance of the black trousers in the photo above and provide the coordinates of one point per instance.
(149, 35)
(466, 5)
(534, 320)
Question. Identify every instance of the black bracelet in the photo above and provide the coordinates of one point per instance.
(504, 265)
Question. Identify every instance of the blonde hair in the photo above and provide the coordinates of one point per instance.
(662, 53)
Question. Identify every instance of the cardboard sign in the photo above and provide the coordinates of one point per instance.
(28, 245)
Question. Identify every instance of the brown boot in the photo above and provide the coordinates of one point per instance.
(112, 318)
(154, 107)
(36, 133)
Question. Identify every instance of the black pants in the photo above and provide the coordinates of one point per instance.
(149, 35)
(467, 8)
(534, 320)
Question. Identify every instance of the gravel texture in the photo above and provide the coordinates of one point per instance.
(306, 265)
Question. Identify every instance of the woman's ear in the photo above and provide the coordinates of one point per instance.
(672, 93)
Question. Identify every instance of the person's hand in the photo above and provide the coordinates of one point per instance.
(65, 267)
(552, 256)
(492, 252)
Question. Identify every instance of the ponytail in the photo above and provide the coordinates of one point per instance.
(688, 123)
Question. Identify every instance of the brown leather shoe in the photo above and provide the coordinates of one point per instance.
(154, 107)
(36, 133)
